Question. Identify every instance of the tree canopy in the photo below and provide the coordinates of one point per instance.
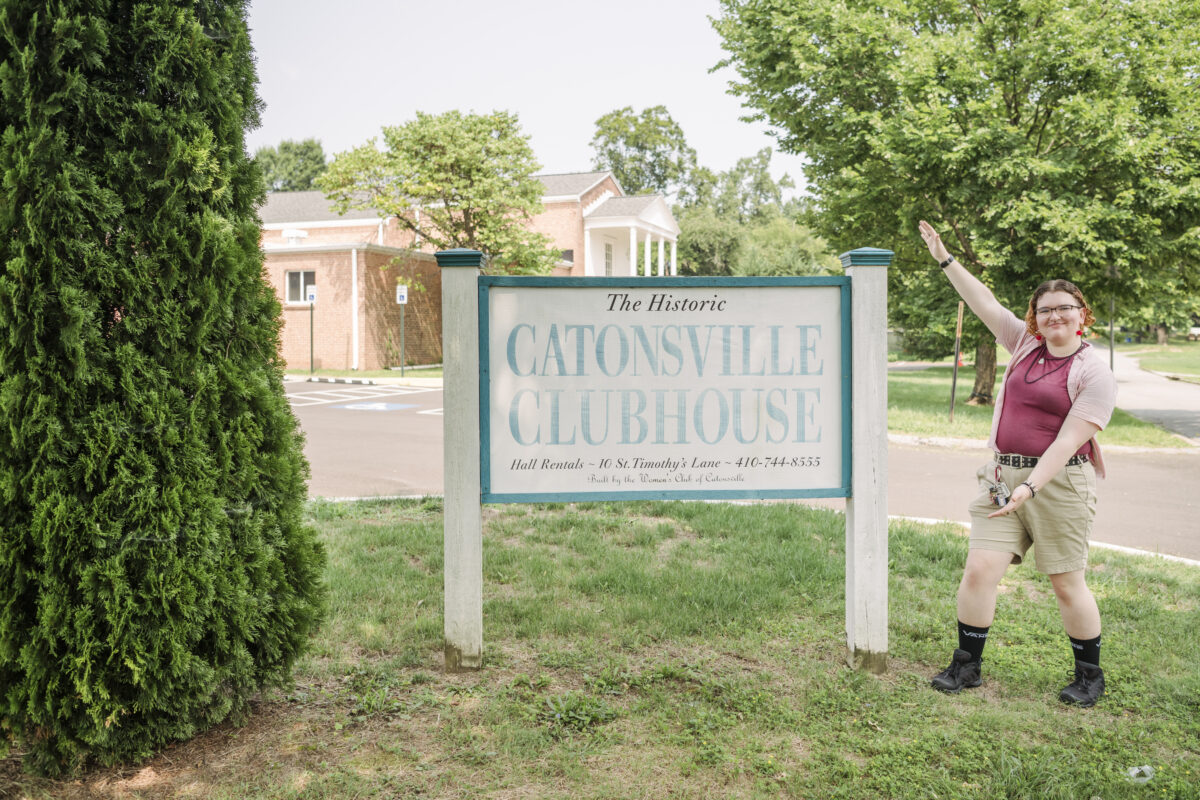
(292, 166)
(646, 152)
(454, 179)
(156, 569)
(1043, 139)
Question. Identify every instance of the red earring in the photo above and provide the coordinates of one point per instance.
(1079, 333)
(1038, 336)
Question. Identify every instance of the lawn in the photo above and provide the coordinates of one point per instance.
(1178, 357)
(689, 650)
(919, 405)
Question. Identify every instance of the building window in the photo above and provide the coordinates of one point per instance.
(297, 286)
(608, 259)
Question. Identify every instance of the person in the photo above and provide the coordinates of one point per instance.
(1040, 488)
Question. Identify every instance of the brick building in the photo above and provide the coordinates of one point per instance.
(353, 263)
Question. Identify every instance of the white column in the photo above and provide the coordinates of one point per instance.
(462, 517)
(674, 260)
(633, 251)
(646, 260)
(866, 509)
(587, 253)
(354, 308)
(661, 243)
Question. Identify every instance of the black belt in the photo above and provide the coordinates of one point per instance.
(1009, 460)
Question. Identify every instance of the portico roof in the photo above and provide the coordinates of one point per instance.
(623, 206)
(648, 212)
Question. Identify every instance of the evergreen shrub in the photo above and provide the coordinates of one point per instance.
(155, 568)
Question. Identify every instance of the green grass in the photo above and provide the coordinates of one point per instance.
(691, 650)
(919, 405)
(1177, 358)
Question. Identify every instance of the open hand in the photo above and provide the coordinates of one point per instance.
(934, 242)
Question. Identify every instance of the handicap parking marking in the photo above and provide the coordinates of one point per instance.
(321, 396)
(377, 406)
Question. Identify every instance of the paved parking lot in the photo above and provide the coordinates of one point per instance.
(370, 440)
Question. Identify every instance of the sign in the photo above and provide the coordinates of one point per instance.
(401, 294)
(615, 389)
(310, 293)
(697, 384)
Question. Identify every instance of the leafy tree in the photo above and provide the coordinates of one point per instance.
(647, 152)
(293, 166)
(454, 179)
(747, 192)
(781, 246)
(155, 566)
(708, 244)
(1044, 139)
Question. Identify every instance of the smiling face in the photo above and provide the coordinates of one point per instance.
(1058, 315)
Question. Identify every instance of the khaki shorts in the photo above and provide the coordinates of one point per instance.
(1057, 523)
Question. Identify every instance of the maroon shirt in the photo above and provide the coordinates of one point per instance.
(1036, 404)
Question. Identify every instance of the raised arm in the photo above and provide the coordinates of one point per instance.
(969, 288)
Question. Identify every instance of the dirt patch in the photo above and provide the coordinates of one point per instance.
(668, 546)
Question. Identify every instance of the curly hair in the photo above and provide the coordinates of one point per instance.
(1056, 285)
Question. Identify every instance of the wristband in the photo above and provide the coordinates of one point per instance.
(1032, 492)
(947, 262)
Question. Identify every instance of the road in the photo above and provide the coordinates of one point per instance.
(387, 440)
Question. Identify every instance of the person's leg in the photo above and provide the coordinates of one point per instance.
(980, 583)
(1081, 618)
(976, 609)
(1076, 604)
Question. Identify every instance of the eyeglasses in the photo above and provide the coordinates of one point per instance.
(1062, 311)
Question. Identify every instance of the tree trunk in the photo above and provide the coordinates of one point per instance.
(1161, 331)
(985, 373)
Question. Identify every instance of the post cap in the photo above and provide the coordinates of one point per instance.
(460, 257)
(867, 257)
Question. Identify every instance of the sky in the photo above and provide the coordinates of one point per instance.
(340, 71)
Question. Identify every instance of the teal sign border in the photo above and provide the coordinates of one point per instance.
(485, 446)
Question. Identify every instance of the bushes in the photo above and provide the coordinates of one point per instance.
(154, 566)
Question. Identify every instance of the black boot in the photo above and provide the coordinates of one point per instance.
(1087, 688)
(963, 673)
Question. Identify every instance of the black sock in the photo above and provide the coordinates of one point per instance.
(1086, 650)
(972, 639)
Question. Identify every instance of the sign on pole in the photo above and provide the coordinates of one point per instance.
(562, 389)
(401, 294)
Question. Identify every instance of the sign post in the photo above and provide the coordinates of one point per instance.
(462, 514)
(957, 350)
(311, 294)
(866, 508)
(402, 300)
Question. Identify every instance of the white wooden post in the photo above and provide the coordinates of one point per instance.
(661, 244)
(866, 509)
(462, 515)
(646, 261)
